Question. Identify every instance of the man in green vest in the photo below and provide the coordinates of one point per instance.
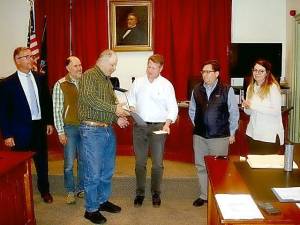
(65, 101)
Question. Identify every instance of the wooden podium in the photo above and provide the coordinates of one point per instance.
(16, 199)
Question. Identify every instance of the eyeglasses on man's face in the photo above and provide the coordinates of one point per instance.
(207, 71)
(25, 57)
(258, 71)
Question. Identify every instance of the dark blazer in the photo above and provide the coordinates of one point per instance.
(15, 115)
(135, 37)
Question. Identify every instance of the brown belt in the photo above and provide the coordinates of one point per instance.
(96, 124)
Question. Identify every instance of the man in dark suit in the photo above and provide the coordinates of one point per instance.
(133, 34)
(26, 115)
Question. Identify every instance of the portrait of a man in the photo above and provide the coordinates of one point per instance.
(130, 25)
(133, 33)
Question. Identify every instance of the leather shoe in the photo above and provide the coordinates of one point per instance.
(47, 198)
(199, 202)
(138, 201)
(95, 217)
(109, 207)
(156, 200)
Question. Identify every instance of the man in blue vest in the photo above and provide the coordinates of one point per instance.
(214, 112)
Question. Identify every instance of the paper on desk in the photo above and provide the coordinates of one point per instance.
(290, 194)
(298, 204)
(238, 206)
(160, 132)
(267, 161)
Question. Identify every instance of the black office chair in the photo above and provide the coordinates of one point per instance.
(115, 82)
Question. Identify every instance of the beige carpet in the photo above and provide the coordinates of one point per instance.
(125, 167)
(171, 212)
(179, 189)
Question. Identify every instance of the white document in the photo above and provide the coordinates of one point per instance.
(121, 97)
(160, 132)
(138, 119)
(290, 194)
(238, 206)
(267, 161)
(298, 204)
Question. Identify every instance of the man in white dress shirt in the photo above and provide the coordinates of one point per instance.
(152, 97)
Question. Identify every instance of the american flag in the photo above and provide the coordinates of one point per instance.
(32, 42)
(43, 53)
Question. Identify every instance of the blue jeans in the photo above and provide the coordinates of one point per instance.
(98, 154)
(72, 151)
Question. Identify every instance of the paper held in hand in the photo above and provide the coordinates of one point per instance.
(138, 119)
(160, 132)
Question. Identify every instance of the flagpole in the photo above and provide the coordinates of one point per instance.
(70, 47)
(43, 48)
(44, 28)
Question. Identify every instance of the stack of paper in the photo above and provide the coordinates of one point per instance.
(238, 206)
(290, 194)
(267, 161)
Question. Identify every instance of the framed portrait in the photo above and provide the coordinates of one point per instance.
(130, 24)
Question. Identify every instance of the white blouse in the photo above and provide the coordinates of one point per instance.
(265, 116)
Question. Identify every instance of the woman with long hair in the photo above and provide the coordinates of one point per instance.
(263, 103)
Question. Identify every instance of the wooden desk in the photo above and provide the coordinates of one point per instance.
(235, 177)
(16, 199)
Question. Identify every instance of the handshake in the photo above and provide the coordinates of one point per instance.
(122, 112)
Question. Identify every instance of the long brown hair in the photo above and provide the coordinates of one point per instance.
(269, 80)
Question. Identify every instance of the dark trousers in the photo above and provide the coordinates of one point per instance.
(263, 148)
(38, 145)
(144, 140)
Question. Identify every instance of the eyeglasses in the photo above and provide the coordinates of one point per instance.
(206, 71)
(258, 71)
(26, 57)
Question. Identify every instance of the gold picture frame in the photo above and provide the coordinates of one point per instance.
(136, 15)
